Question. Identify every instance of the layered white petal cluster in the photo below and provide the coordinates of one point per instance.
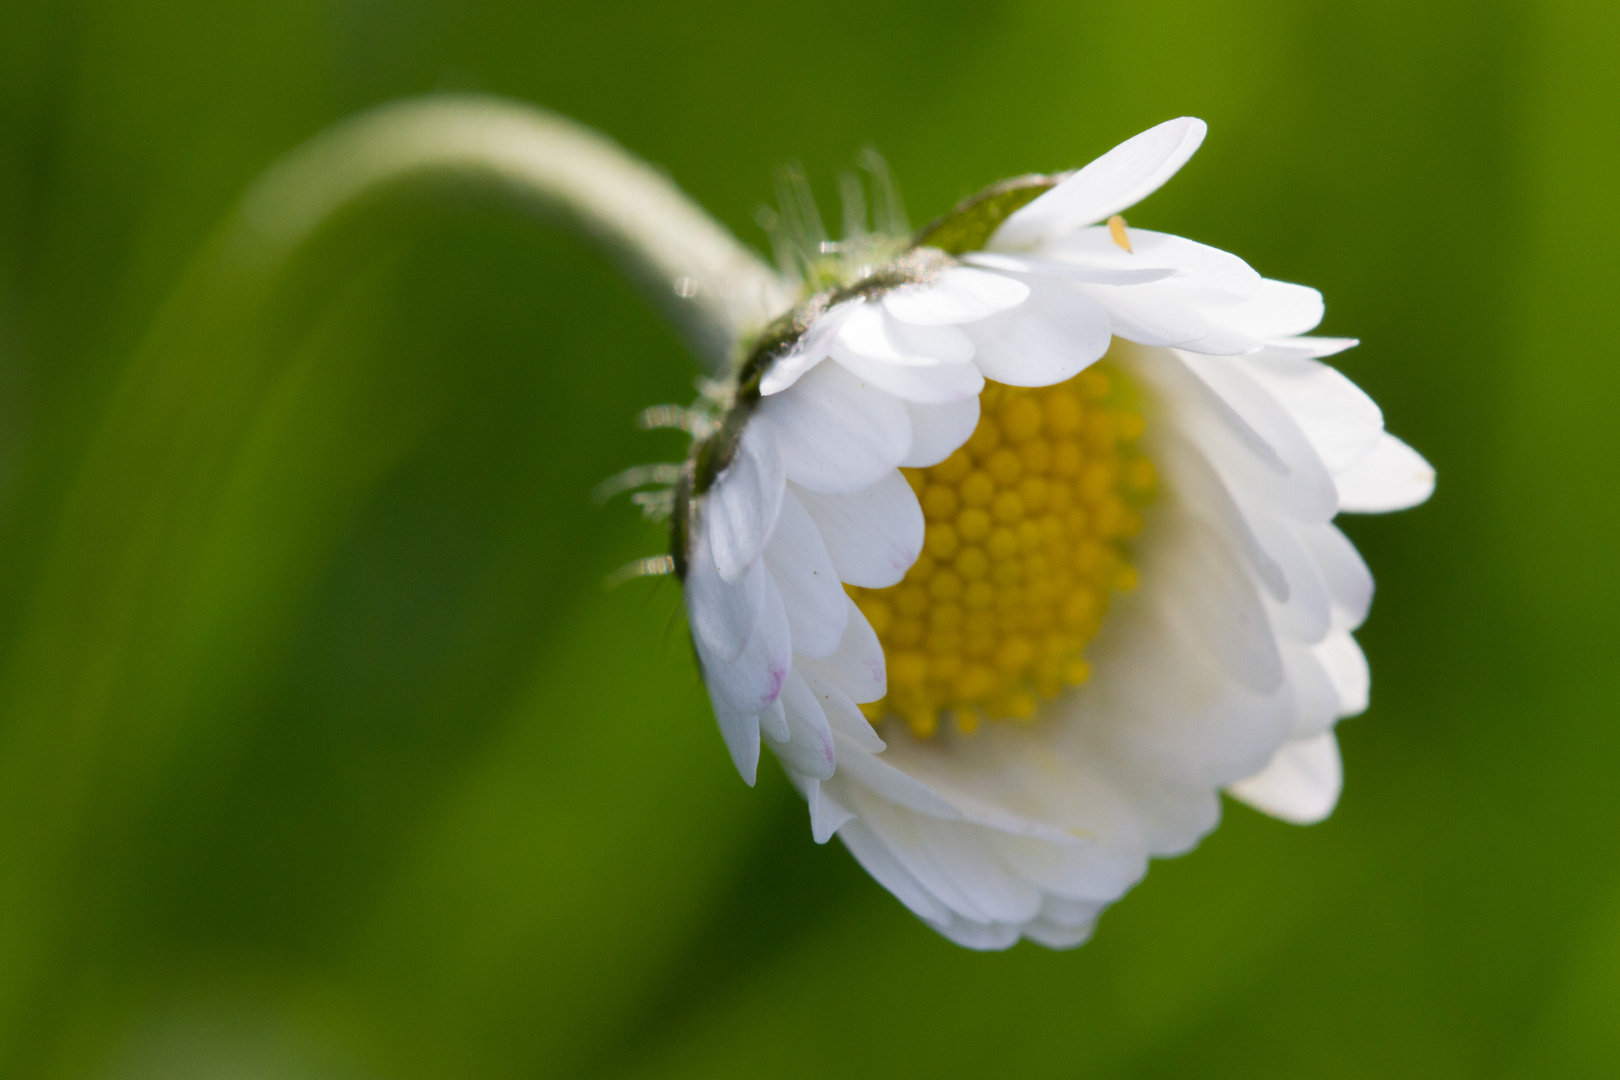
(1226, 669)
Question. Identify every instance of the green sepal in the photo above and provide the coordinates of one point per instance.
(968, 225)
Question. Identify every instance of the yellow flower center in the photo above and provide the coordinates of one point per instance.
(1027, 526)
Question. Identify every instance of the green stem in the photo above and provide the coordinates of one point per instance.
(712, 288)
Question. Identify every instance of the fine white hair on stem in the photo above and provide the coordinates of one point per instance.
(888, 212)
(853, 196)
(694, 422)
(634, 477)
(799, 219)
(655, 505)
(875, 228)
(652, 566)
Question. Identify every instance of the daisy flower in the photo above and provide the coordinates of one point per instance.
(1014, 542)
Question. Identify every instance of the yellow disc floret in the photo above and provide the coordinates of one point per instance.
(1026, 537)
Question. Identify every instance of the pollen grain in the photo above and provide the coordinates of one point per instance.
(1116, 230)
(1025, 544)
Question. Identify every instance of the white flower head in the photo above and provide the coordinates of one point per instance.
(1014, 543)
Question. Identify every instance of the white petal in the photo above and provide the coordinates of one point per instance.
(1052, 337)
(884, 781)
(875, 857)
(836, 433)
(870, 332)
(740, 730)
(1054, 936)
(773, 722)
(959, 294)
(932, 383)
(1316, 699)
(1340, 421)
(1207, 592)
(873, 535)
(1095, 871)
(1171, 732)
(1291, 474)
(1202, 413)
(1268, 542)
(937, 430)
(722, 616)
(1063, 911)
(1219, 340)
(810, 351)
(1200, 271)
(953, 861)
(1277, 309)
(856, 666)
(944, 344)
(968, 855)
(1346, 665)
(1349, 582)
(754, 679)
(897, 830)
(1150, 314)
(979, 791)
(809, 749)
(916, 363)
(827, 814)
(1207, 495)
(981, 937)
(739, 511)
(1307, 612)
(1069, 270)
(1317, 347)
(1392, 477)
(1125, 175)
(803, 571)
(844, 717)
(1302, 783)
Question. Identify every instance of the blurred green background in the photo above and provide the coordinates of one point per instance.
(324, 753)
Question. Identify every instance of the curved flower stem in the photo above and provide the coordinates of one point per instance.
(711, 287)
